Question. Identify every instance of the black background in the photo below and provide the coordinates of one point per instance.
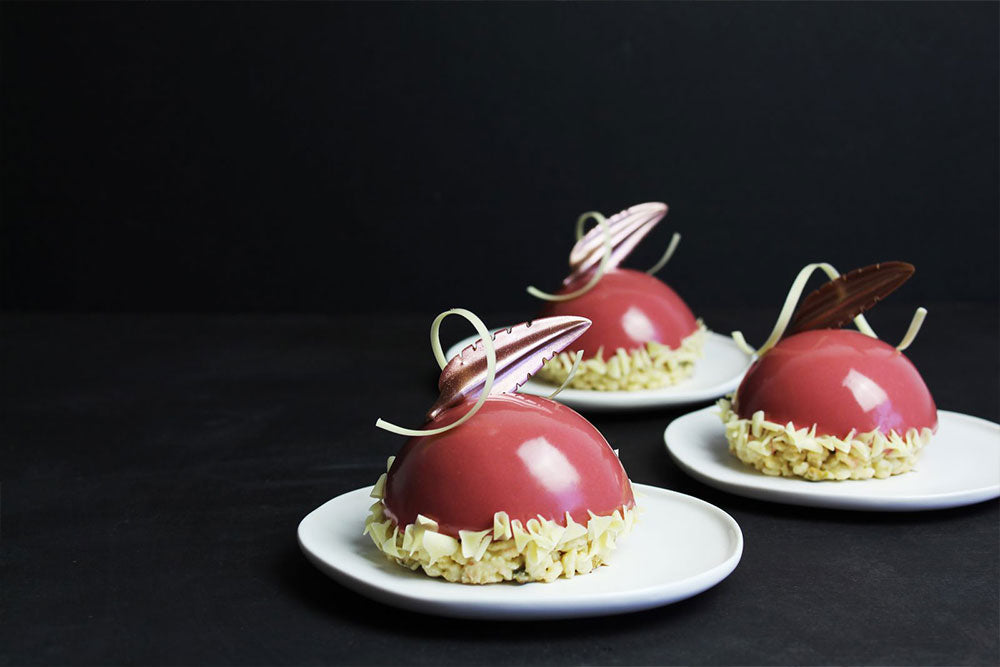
(386, 157)
(311, 183)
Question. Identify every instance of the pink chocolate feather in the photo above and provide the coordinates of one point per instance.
(626, 228)
(521, 350)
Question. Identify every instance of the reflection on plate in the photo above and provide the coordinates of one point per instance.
(680, 547)
(960, 466)
(717, 373)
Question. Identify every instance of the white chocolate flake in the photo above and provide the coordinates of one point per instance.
(426, 523)
(501, 526)
(783, 450)
(474, 543)
(648, 367)
(539, 550)
(378, 491)
(439, 545)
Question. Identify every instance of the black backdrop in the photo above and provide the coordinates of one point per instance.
(403, 158)
(363, 157)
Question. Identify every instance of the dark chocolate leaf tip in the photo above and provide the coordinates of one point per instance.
(839, 301)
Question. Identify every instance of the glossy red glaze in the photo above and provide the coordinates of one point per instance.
(628, 309)
(839, 380)
(524, 455)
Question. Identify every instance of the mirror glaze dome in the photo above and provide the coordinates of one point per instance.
(520, 454)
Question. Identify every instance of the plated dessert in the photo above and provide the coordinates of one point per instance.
(643, 336)
(500, 486)
(823, 403)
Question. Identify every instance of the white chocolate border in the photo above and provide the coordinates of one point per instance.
(538, 550)
(649, 367)
(783, 450)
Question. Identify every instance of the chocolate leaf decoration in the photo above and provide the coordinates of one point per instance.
(521, 350)
(839, 301)
(626, 228)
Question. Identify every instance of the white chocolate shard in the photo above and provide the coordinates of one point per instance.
(501, 526)
(649, 367)
(539, 550)
(474, 543)
(521, 536)
(424, 522)
(390, 544)
(573, 530)
(409, 541)
(439, 545)
(783, 450)
(598, 525)
(378, 491)
(568, 561)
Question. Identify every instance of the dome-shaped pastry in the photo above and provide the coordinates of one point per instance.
(826, 403)
(629, 310)
(523, 490)
(644, 336)
(839, 380)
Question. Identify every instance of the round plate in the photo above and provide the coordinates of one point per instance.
(960, 466)
(680, 547)
(717, 373)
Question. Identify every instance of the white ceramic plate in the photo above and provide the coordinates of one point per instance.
(960, 466)
(717, 373)
(680, 547)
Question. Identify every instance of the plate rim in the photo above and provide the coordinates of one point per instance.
(605, 603)
(901, 503)
(644, 399)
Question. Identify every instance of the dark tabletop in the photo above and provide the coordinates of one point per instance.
(155, 468)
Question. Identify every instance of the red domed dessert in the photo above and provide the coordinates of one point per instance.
(635, 308)
(826, 403)
(501, 486)
(856, 383)
(644, 336)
